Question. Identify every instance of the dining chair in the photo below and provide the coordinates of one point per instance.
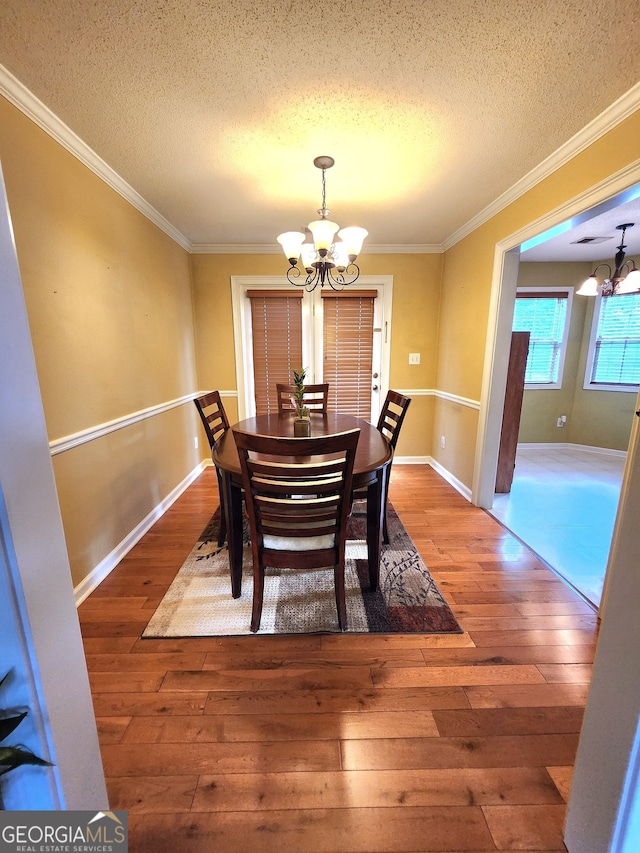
(390, 422)
(215, 422)
(315, 397)
(298, 497)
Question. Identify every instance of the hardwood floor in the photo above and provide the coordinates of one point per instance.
(413, 743)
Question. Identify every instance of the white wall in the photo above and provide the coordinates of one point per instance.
(604, 805)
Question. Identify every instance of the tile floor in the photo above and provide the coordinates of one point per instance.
(563, 504)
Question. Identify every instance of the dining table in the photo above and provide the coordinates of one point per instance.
(370, 472)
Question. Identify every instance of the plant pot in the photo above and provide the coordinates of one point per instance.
(302, 427)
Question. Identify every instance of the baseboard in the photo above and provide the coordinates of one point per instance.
(411, 460)
(105, 566)
(567, 445)
(459, 486)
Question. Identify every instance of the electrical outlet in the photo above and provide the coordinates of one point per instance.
(442, 441)
(414, 358)
(561, 421)
(195, 441)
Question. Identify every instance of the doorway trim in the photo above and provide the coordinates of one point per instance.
(612, 191)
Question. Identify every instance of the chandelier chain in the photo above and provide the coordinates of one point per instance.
(324, 194)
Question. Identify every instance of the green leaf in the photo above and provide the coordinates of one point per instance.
(12, 757)
(9, 724)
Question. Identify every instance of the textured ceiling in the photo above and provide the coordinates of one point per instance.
(213, 111)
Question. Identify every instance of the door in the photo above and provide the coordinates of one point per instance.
(339, 337)
(512, 409)
(349, 328)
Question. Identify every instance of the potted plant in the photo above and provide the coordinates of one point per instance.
(12, 757)
(302, 422)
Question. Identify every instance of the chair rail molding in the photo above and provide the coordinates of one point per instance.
(442, 395)
(68, 442)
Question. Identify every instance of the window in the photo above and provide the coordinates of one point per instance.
(613, 363)
(276, 321)
(340, 337)
(545, 314)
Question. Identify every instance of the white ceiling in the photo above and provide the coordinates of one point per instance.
(214, 111)
(601, 225)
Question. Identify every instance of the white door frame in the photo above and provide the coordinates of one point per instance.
(609, 193)
(243, 342)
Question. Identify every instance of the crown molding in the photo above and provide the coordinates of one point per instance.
(274, 249)
(18, 94)
(620, 110)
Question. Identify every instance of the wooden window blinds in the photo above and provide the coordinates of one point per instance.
(348, 350)
(276, 322)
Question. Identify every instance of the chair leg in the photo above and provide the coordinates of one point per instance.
(222, 532)
(341, 603)
(385, 532)
(258, 595)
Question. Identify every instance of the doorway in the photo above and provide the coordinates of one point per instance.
(607, 196)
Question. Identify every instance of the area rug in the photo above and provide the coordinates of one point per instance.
(199, 603)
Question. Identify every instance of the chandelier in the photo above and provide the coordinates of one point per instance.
(625, 277)
(326, 260)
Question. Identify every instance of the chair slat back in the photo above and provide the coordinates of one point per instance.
(315, 397)
(298, 488)
(392, 416)
(213, 416)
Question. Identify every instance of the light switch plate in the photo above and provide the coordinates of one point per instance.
(414, 358)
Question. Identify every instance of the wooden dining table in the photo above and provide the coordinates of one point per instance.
(370, 472)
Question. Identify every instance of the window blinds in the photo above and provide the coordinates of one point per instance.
(276, 323)
(348, 350)
(544, 315)
(617, 345)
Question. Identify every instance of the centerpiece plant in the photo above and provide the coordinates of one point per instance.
(302, 423)
(298, 380)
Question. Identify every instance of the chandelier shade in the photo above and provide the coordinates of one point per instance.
(624, 278)
(322, 231)
(326, 260)
(291, 242)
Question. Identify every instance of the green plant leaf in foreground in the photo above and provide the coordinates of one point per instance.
(15, 756)
(9, 723)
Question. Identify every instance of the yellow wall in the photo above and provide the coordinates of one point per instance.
(467, 278)
(109, 301)
(416, 294)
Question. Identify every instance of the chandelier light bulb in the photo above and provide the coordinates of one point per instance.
(589, 287)
(323, 231)
(340, 256)
(631, 283)
(308, 253)
(353, 238)
(291, 241)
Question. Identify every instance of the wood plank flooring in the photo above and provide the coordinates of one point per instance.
(347, 744)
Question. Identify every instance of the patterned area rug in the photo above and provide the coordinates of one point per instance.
(199, 604)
